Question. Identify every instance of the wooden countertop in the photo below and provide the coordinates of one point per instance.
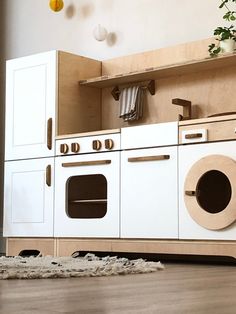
(92, 133)
(208, 120)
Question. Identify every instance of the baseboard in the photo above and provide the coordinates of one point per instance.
(2, 243)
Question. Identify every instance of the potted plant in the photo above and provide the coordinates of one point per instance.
(226, 36)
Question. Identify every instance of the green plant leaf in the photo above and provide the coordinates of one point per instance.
(223, 4)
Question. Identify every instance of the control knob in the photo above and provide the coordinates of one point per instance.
(75, 147)
(96, 145)
(109, 143)
(64, 148)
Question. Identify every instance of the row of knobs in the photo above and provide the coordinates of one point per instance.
(96, 145)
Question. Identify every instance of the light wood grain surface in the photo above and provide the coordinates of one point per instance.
(79, 109)
(210, 91)
(180, 288)
(67, 246)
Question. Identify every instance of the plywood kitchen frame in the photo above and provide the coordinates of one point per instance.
(184, 71)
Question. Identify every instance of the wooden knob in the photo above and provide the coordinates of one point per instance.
(109, 143)
(64, 148)
(97, 145)
(75, 147)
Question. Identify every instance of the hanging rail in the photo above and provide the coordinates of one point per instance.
(150, 86)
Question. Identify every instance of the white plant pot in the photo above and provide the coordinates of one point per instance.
(227, 45)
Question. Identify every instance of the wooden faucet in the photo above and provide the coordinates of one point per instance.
(186, 104)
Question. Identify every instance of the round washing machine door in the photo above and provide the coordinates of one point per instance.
(210, 192)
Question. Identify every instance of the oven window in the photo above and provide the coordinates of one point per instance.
(213, 191)
(86, 196)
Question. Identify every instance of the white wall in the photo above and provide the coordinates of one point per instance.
(135, 25)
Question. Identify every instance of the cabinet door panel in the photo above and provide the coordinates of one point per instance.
(27, 212)
(149, 206)
(69, 198)
(28, 202)
(30, 103)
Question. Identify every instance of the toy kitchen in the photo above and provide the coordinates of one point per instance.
(134, 154)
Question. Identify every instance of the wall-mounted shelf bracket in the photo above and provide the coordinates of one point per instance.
(186, 104)
(150, 86)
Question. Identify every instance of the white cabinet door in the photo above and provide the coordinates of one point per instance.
(31, 84)
(149, 203)
(28, 198)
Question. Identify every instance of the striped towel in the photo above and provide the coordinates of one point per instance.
(131, 103)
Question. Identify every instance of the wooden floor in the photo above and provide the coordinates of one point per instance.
(180, 288)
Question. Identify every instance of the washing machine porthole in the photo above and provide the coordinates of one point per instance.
(213, 191)
(210, 192)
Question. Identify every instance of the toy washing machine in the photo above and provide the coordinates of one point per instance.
(207, 179)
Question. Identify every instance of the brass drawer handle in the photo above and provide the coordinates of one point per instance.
(49, 134)
(148, 158)
(86, 163)
(48, 175)
(193, 135)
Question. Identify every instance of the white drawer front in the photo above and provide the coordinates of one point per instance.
(194, 136)
(161, 134)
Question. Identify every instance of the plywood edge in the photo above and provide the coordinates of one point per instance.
(162, 71)
(186, 247)
(207, 120)
(99, 132)
(67, 246)
(70, 54)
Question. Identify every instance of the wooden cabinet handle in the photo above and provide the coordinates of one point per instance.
(193, 135)
(49, 134)
(193, 193)
(86, 163)
(148, 158)
(48, 175)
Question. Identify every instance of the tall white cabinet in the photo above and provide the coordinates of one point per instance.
(31, 93)
(43, 99)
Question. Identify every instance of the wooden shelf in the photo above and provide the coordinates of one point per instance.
(155, 73)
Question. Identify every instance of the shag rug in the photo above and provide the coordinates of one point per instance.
(66, 267)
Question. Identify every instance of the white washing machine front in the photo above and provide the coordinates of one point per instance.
(207, 191)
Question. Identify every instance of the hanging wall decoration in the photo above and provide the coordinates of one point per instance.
(100, 33)
(56, 5)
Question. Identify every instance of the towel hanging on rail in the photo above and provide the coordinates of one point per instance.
(131, 103)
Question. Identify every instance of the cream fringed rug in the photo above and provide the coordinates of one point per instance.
(65, 267)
